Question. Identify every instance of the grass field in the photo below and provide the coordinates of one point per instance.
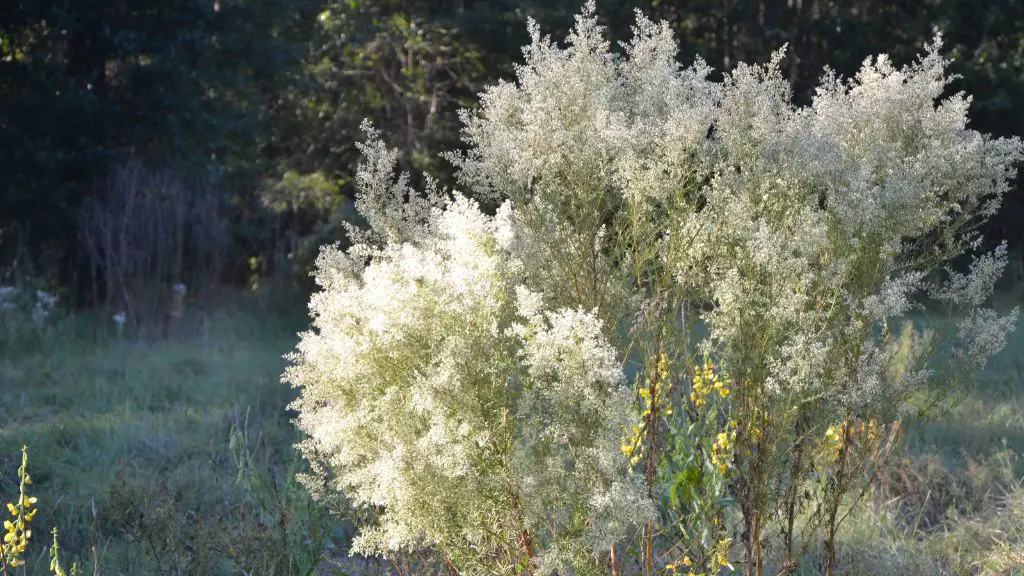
(176, 458)
(133, 454)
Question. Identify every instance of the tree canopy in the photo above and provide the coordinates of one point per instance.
(265, 92)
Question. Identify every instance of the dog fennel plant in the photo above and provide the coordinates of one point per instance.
(523, 387)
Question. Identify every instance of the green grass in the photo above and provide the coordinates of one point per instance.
(129, 446)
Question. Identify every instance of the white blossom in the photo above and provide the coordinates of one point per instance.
(7, 295)
(42, 306)
(982, 333)
(976, 286)
(437, 387)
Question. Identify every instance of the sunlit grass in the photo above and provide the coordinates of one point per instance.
(952, 502)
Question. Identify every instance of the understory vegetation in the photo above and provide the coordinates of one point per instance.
(146, 441)
(173, 458)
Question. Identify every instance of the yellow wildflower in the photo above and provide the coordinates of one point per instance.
(18, 530)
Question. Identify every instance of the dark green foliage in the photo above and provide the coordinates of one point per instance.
(271, 92)
(87, 85)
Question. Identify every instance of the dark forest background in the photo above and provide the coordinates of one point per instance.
(151, 142)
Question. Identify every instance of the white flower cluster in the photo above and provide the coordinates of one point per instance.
(7, 294)
(800, 224)
(392, 209)
(437, 388)
(464, 373)
(40, 307)
(813, 226)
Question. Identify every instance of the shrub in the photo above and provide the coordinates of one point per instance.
(27, 314)
(742, 259)
(434, 367)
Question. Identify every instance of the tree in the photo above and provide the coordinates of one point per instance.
(85, 86)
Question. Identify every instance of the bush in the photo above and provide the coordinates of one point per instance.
(742, 260)
(27, 313)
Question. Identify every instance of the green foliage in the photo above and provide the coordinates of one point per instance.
(86, 85)
(263, 88)
(280, 530)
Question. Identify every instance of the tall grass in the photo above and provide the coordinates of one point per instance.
(173, 458)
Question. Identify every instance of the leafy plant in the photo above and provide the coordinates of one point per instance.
(279, 530)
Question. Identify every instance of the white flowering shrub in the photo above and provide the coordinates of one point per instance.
(466, 376)
(26, 314)
(439, 390)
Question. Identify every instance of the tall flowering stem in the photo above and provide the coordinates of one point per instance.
(18, 529)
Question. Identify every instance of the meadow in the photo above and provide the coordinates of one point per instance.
(171, 457)
(175, 457)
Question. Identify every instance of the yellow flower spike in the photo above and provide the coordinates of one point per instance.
(687, 562)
